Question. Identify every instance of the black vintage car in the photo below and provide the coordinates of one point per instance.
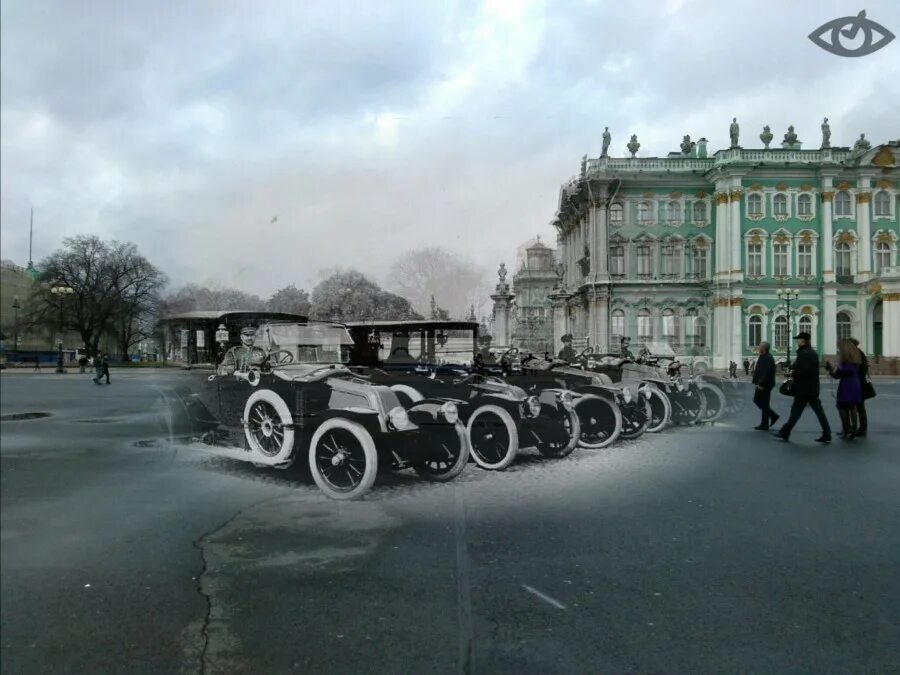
(295, 398)
(432, 359)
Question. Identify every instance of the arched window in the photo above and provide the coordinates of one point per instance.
(842, 260)
(616, 214)
(804, 205)
(670, 327)
(780, 205)
(882, 256)
(618, 326)
(700, 332)
(754, 259)
(699, 212)
(782, 333)
(645, 326)
(755, 331)
(842, 204)
(805, 324)
(673, 212)
(645, 212)
(844, 326)
(754, 205)
(882, 203)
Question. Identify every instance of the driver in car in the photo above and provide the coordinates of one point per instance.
(567, 353)
(241, 357)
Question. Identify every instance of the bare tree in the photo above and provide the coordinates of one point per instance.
(456, 282)
(196, 297)
(138, 287)
(351, 296)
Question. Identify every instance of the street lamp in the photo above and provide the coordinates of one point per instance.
(16, 305)
(61, 292)
(786, 295)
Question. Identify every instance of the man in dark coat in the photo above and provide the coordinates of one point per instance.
(567, 353)
(805, 389)
(863, 428)
(764, 379)
(746, 366)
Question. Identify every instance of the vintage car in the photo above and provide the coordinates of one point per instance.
(432, 360)
(298, 400)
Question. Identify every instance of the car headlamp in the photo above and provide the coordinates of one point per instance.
(533, 405)
(398, 418)
(567, 400)
(679, 385)
(450, 412)
(626, 394)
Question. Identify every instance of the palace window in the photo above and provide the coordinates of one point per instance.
(804, 205)
(755, 331)
(645, 212)
(644, 326)
(780, 255)
(755, 260)
(882, 256)
(842, 204)
(780, 205)
(645, 261)
(782, 333)
(805, 259)
(882, 203)
(844, 326)
(618, 326)
(671, 261)
(842, 260)
(701, 266)
(699, 212)
(617, 260)
(805, 324)
(673, 214)
(754, 205)
(616, 214)
(670, 327)
(700, 332)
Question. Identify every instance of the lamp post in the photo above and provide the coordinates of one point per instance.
(61, 292)
(16, 305)
(786, 295)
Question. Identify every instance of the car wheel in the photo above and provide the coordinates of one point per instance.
(268, 427)
(562, 438)
(343, 459)
(600, 419)
(456, 447)
(493, 437)
(690, 409)
(406, 395)
(635, 428)
(715, 402)
(660, 411)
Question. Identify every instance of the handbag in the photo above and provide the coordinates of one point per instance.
(787, 387)
(868, 391)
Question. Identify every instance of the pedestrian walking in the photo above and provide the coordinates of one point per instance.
(98, 368)
(746, 366)
(106, 367)
(849, 393)
(805, 389)
(37, 362)
(82, 363)
(764, 379)
(732, 370)
(868, 391)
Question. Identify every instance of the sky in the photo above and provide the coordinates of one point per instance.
(371, 128)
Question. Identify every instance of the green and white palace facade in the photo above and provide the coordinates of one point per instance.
(693, 249)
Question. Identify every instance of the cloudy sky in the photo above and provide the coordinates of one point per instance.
(372, 127)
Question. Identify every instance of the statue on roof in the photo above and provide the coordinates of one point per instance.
(607, 139)
(501, 272)
(766, 136)
(734, 131)
(791, 136)
(826, 134)
(633, 145)
(862, 144)
(584, 166)
(687, 145)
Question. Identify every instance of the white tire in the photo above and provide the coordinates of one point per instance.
(268, 427)
(454, 464)
(342, 459)
(594, 412)
(493, 437)
(716, 402)
(407, 391)
(659, 402)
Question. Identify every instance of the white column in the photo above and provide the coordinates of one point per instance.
(890, 297)
(560, 320)
(736, 331)
(829, 321)
(723, 253)
(502, 302)
(735, 230)
(826, 245)
(599, 258)
(864, 229)
(720, 332)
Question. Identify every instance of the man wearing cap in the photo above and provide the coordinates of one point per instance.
(805, 389)
(244, 355)
(764, 380)
(567, 353)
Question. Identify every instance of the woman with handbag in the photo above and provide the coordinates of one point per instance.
(849, 393)
(868, 391)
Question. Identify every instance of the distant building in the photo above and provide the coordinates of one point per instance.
(531, 322)
(16, 284)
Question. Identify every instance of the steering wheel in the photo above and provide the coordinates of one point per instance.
(280, 357)
(587, 351)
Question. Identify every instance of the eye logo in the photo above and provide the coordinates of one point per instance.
(849, 27)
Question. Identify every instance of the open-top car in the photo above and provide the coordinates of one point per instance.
(433, 360)
(288, 394)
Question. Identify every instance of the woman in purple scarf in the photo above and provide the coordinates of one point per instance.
(849, 393)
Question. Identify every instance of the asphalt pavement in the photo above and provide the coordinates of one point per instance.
(691, 551)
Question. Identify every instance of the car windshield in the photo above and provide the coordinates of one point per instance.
(308, 343)
(433, 347)
(658, 349)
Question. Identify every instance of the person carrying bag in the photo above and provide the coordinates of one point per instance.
(868, 391)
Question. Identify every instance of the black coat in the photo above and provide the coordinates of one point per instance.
(806, 373)
(764, 373)
(864, 367)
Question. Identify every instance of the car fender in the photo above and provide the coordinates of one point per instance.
(369, 419)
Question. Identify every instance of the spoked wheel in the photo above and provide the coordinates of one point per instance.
(660, 411)
(637, 421)
(690, 409)
(455, 447)
(601, 421)
(493, 437)
(560, 439)
(268, 427)
(734, 401)
(343, 459)
(716, 402)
